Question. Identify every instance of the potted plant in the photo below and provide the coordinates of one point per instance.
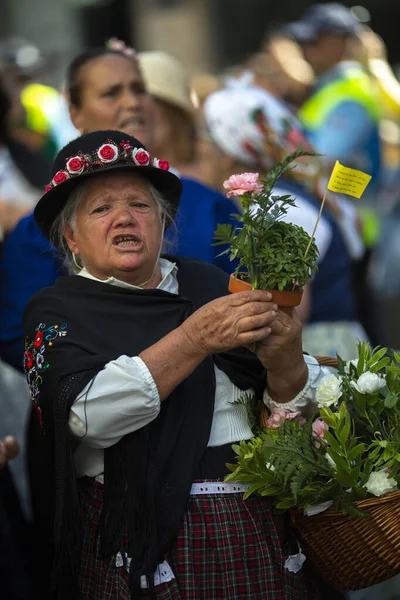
(337, 472)
(272, 254)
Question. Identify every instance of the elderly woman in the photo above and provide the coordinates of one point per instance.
(106, 91)
(134, 366)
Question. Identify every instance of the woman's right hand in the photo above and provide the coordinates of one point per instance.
(240, 319)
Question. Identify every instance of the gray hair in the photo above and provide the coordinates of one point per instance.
(68, 217)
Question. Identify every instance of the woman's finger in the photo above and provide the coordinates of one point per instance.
(249, 338)
(257, 321)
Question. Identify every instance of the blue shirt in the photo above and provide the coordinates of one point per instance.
(30, 263)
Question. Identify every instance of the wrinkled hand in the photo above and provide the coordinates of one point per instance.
(236, 320)
(9, 449)
(283, 348)
(281, 353)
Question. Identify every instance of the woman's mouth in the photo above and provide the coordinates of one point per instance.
(128, 242)
(133, 122)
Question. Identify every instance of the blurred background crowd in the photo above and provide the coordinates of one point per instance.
(217, 87)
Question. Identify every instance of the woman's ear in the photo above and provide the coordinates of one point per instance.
(75, 114)
(69, 236)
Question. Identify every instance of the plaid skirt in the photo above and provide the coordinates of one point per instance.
(227, 548)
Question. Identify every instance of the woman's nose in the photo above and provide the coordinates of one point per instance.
(125, 216)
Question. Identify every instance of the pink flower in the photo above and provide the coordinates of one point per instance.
(108, 153)
(141, 157)
(161, 164)
(164, 165)
(48, 188)
(75, 165)
(278, 415)
(319, 427)
(60, 177)
(237, 185)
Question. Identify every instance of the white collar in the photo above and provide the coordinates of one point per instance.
(168, 283)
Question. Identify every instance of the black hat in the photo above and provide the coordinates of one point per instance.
(99, 152)
(333, 18)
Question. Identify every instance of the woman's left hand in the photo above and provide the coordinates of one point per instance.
(281, 353)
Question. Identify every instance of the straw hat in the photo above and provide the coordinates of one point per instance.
(166, 79)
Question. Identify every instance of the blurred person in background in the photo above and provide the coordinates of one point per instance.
(341, 118)
(280, 69)
(370, 50)
(253, 131)
(23, 172)
(106, 90)
(15, 544)
(44, 124)
(174, 104)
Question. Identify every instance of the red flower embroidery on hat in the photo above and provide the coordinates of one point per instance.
(48, 188)
(141, 157)
(38, 339)
(76, 165)
(60, 177)
(108, 153)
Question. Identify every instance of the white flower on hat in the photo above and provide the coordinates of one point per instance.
(379, 483)
(141, 156)
(369, 383)
(108, 153)
(329, 391)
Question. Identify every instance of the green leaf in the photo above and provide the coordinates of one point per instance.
(356, 452)
(391, 400)
(333, 443)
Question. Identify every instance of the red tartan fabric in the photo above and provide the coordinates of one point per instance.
(227, 548)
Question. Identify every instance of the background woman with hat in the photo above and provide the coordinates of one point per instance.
(168, 84)
(106, 91)
(141, 358)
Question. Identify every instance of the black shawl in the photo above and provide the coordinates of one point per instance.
(73, 329)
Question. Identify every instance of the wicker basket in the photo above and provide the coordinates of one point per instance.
(353, 553)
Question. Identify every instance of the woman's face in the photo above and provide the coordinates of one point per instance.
(117, 230)
(113, 96)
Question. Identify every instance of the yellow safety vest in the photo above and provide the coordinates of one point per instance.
(38, 101)
(353, 84)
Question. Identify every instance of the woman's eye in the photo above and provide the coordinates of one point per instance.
(99, 209)
(140, 205)
(110, 93)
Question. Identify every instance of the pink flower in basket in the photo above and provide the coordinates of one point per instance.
(237, 185)
(278, 415)
(319, 427)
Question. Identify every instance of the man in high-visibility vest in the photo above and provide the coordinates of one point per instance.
(341, 116)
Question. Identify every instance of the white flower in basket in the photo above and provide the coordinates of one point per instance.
(329, 391)
(379, 483)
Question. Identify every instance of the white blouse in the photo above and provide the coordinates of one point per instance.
(123, 397)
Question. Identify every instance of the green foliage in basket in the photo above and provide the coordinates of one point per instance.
(349, 452)
(270, 252)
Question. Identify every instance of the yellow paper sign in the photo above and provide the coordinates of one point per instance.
(348, 181)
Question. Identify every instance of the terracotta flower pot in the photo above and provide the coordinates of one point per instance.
(285, 300)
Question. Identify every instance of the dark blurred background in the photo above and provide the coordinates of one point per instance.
(204, 34)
